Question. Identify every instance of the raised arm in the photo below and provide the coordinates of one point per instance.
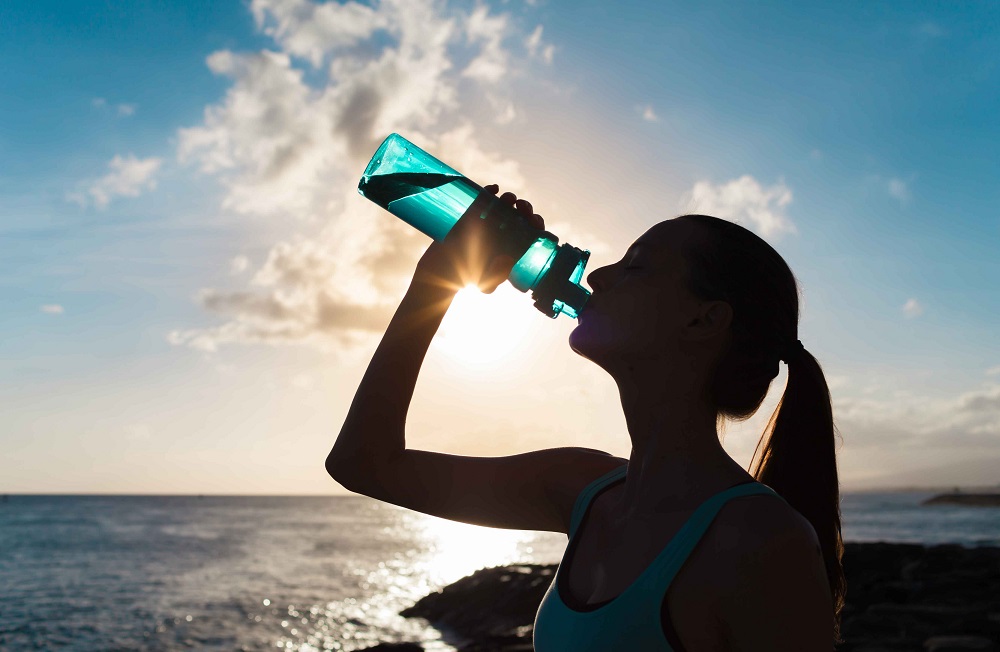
(374, 428)
(530, 491)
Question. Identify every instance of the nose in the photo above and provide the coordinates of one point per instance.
(596, 278)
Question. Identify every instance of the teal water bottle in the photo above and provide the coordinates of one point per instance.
(430, 196)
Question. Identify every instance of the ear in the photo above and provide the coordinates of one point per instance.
(711, 320)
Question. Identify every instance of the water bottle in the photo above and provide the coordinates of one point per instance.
(430, 196)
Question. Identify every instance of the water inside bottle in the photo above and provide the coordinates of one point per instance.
(431, 203)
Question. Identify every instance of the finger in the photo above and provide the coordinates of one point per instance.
(524, 206)
(509, 198)
(537, 220)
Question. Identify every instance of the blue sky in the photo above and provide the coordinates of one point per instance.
(177, 202)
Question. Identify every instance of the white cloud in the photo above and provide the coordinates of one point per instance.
(969, 417)
(491, 64)
(238, 265)
(312, 31)
(506, 114)
(913, 308)
(898, 189)
(648, 114)
(743, 201)
(536, 48)
(123, 110)
(993, 371)
(533, 41)
(282, 147)
(277, 140)
(129, 176)
(916, 427)
(53, 309)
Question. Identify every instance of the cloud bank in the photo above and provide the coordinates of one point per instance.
(744, 201)
(943, 427)
(284, 148)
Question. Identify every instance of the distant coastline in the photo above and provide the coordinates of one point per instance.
(937, 489)
(965, 499)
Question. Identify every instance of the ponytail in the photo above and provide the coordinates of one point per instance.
(797, 449)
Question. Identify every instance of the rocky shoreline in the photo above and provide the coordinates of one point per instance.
(900, 598)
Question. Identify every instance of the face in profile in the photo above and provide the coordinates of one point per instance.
(639, 304)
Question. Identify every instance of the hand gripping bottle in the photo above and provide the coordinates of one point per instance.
(430, 196)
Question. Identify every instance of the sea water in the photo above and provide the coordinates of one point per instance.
(265, 573)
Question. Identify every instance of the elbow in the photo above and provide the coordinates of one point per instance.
(338, 459)
(345, 470)
(334, 467)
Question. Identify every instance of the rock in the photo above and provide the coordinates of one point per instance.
(937, 612)
(900, 598)
(966, 500)
(959, 644)
(492, 609)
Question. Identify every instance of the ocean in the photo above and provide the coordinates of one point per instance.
(294, 573)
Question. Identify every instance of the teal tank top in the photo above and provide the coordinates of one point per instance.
(636, 619)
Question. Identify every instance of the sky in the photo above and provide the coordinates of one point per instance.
(192, 287)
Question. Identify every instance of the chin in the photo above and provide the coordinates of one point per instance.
(585, 342)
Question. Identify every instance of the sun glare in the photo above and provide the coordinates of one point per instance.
(484, 331)
(459, 549)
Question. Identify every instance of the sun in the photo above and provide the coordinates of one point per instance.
(485, 331)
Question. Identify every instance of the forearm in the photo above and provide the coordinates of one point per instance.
(375, 424)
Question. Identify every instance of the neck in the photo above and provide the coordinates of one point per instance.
(677, 460)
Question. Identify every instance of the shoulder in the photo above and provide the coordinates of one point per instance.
(770, 533)
(774, 574)
(751, 522)
(744, 530)
(779, 516)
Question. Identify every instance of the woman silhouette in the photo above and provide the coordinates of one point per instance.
(676, 548)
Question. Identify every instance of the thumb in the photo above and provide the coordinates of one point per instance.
(497, 273)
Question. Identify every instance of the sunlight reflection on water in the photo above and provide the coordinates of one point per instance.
(457, 549)
(431, 553)
(165, 573)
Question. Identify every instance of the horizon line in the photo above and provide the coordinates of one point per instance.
(862, 490)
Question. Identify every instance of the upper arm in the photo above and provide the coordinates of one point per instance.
(779, 599)
(528, 491)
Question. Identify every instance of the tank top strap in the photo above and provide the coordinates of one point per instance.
(666, 566)
(588, 493)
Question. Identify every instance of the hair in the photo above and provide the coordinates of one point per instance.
(798, 458)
